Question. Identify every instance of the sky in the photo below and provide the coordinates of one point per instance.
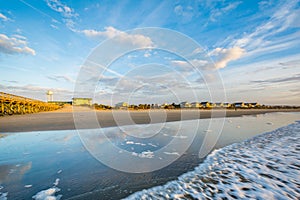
(218, 50)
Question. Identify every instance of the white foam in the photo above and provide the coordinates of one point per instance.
(144, 154)
(141, 144)
(135, 143)
(265, 167)
(153, 145)
(180, 136)
(3, 196)
(56, 182)
(48, 194)
(172, 153)
(27, 186)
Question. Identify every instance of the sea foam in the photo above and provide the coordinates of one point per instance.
(49, 194)
(265, 167)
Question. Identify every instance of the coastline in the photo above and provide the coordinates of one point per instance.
(63, 119)
(59, 155)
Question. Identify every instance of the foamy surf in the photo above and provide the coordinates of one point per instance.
(266, 167)
(49, 194)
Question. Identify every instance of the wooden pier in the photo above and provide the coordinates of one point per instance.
(12, 104)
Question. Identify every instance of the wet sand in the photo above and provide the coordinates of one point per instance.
(63, 119)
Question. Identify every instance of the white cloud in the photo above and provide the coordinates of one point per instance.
(147, 54)
(188, 65)
(12, 45)
(220, 11)
(58, 78)
(284, 17)
(185, 13)
(226, 55)
(178, 10)
(223, 57)
(3, 17)
(37, 92)
(245, 84)
(109, 32)
(180, 63)
(264, 4)
(67, 12)
(57, 6)
(54, 26)
(196, 51)
(231, 6)
(122, 37)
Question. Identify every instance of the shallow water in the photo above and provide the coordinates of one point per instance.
(264, 167)
(57, 164)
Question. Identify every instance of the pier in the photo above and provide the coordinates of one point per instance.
(12, 104)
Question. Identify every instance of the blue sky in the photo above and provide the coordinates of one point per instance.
(253, 47)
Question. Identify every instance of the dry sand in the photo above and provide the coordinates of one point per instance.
(63, 119)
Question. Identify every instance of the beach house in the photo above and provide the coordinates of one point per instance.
(82, 101)
(206, 104)
(121, 105)
(218, 105)
(185, 104)
(226, 105)
(196, 105)
(240, 105)
(252, 105)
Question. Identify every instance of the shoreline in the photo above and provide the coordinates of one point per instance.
(63, 119)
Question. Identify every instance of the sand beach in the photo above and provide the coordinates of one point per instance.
(63, 119)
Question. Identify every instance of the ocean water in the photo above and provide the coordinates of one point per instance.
(56, 165)
(264, 167)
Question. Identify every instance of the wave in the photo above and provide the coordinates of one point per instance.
(265, 167)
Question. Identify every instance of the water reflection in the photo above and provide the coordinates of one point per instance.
(12, 173)
(39, 158)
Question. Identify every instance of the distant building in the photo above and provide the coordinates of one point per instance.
(165, 105)
(82, 101)
(252, 105)
(196, 105)
(206, 104)
(185, 105)
(122, 105)
(226, 105)
(240, 105)
(156, 106)
(219, 105)
(49, 94)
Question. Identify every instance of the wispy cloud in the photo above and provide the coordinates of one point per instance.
(10, 81)
(221, 56)
(187, 66)
(226, 55)
(122, 37)
(295, 78)
(54, 26)
(36, 92)
(3, 17)
(218, 12)
(185, 13)
(14, 45)
(260, 40)
(59, 78)
(68, 13)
